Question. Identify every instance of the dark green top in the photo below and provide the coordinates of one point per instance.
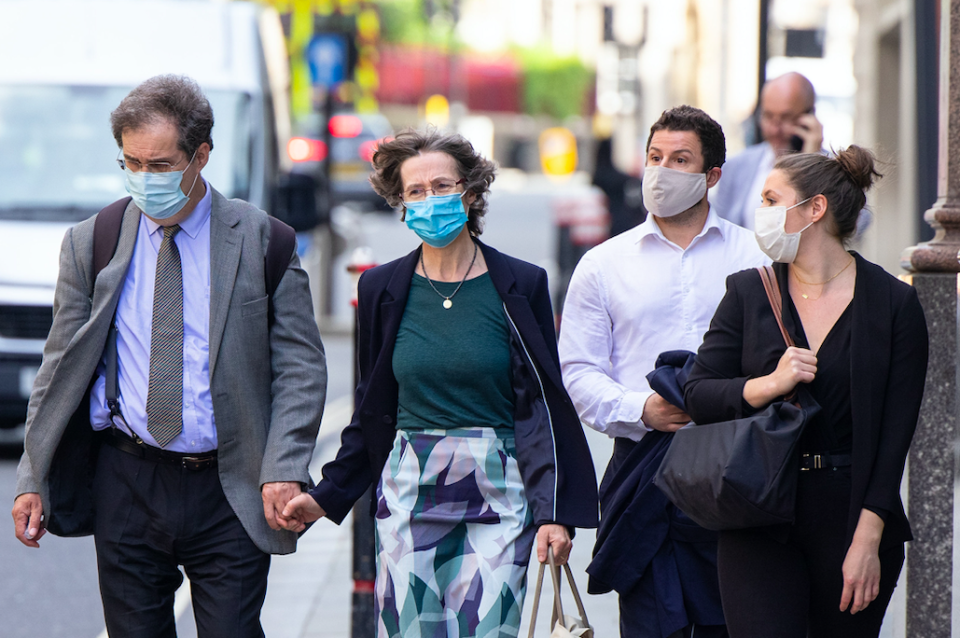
(453, 365)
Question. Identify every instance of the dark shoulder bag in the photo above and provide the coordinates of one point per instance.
(741, 473)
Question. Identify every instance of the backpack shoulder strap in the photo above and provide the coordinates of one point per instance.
(280, 246)
(106, 234)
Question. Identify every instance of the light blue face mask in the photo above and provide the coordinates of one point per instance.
(158, 195)
(437, 220)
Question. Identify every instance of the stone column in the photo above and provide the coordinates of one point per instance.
(933, 600)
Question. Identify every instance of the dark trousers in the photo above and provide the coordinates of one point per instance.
(774, 589)
(153, 517)
(639, 613)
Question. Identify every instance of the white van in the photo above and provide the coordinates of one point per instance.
(64, 66)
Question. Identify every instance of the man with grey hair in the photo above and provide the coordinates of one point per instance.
(788, 124)
(177, 406)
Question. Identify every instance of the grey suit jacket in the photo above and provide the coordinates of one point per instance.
(268, 384)
(732, 195)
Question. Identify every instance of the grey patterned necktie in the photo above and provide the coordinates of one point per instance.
(165, 394)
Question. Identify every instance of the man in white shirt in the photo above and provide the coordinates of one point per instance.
(651, 289)
(787, 124)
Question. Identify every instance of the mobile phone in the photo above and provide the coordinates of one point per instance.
(796, 142)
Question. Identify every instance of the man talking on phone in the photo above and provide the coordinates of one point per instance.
(787, 124)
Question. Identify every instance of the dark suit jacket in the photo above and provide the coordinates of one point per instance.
(552, 452)
(888, 352)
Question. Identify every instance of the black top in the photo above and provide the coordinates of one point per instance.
(830, 430)
(888, 362)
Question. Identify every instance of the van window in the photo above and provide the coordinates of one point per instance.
(57, 152)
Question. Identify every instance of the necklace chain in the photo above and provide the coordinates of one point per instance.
(447, 303)
(822, 283)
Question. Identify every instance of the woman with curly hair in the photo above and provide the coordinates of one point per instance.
(461, 417)
(861, 353)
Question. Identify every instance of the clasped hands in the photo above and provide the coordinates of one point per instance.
(302, 508)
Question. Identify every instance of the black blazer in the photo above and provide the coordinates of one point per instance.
(552, 452)
(888, 351)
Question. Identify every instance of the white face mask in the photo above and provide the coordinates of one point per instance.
(770, 228)
(668, 192)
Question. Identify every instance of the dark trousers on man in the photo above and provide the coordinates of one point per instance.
(681, 580)
(152, 517)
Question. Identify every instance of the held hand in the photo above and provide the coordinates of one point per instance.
(810, 130)
(557, 537)
(28, 519)
(660, 414)
(861, 567)
(301, 510)
(275, 498)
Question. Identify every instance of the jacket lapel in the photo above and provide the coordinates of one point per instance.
(393, 304)
(869, 356)
(225, 245)
(520, 311)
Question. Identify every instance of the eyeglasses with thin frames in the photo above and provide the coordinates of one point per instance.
(150, 167)
(440, 188)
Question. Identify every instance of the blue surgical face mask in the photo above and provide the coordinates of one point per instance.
(437, 220)
(158, 195)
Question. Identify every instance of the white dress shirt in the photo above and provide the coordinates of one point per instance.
(634, 296)
(134, 321)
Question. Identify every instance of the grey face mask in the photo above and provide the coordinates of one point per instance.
(668, 192)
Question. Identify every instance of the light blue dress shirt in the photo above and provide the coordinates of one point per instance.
(134, 321)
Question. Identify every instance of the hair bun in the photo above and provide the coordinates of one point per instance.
(859, 166)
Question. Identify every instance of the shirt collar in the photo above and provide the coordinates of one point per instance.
(650, 227)
(192, 224)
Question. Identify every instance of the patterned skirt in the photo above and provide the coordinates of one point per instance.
(454, 535)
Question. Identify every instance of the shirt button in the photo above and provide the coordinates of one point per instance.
(194, 443)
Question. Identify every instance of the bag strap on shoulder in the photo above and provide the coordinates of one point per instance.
(280, 247)
(106, 234)
(770, 284)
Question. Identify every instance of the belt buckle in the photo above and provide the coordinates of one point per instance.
(817, 463)
(193, 463)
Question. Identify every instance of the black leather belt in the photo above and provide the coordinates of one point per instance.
(186, 460)
(824, 461)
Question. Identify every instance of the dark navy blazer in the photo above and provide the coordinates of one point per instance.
(552, 452)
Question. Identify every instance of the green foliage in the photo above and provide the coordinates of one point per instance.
(405, 22)
(553, 85)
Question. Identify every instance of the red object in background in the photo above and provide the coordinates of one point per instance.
(409, 74)
(345, 126)
(304, 149)
(368, 148)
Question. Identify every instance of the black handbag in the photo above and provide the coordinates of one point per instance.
(741, 473)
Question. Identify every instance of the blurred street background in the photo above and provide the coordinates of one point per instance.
(561, 93)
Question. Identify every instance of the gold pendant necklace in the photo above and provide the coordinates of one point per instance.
(448, 301)
(822, 283)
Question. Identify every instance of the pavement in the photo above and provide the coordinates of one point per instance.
(309, 594)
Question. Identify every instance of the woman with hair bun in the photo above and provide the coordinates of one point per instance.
(862, 355)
